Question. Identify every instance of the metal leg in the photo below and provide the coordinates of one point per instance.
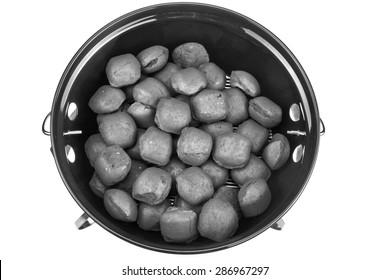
(83, 221)
(278, 225)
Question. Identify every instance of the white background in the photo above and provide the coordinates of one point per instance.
(338, 229)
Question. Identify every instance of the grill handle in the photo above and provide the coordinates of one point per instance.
(322, 126)
(44, 131)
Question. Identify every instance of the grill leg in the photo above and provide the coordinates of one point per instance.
(84, 221)
(278, 225)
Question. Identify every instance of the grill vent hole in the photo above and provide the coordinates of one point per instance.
(70, 154)
(298, 153)
(295, 112)
(73, 111)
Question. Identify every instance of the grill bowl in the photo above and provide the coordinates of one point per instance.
(234, 42)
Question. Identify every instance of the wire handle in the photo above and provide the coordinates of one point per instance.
(44, 131)
(322, 125)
